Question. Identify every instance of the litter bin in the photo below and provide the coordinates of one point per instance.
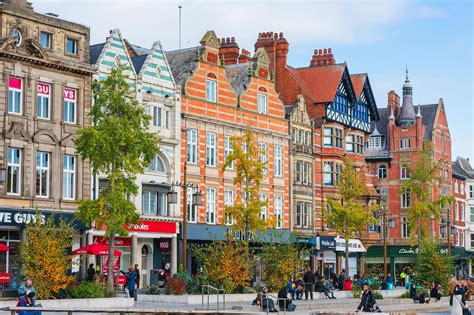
(348, 285)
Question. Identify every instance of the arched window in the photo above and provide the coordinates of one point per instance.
(382, 171)
(156, 165)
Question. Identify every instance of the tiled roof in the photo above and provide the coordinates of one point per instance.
(358, 81)
(138, 62)
(320, 82)
(182, 63)
(466, 166)
(139, 50)
(238, 76)
(289, 109)
(459, 172)
(94, 52)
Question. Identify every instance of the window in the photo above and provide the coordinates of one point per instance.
(156, 165)
(456, 211)
(471, 214)
(359, 145)
(471, 191)
(154, 203)
(15, 95)
(405, 228)
(472, 240)
(46, 40)
(191, 146)
(70, 97)
(382, 171)
(306, 211)
(278, 154)
(328, 137)
(328, 173)
(211, 93)
(306, 173)
(192, 209)
(298, 170)
(332, 137)
(228, 201)
(262, 155)
(462, 188)
(293, 135)
(263, 209)
(42, 174)
(338, 138)
(211, 149)
(228, 149)
(69, 181)
(156, 116)
(462, 211)
(404, 172)
(306, 137)
(262, 103)
(405, 199)
(462, 239)
(355, 144)
(167, 119)
(71, 46)
(375, 142)
(300, 136)
(279, 211)
(211, 205)
(456, 186)
(13, 171)
(350, 143)
(299, 213)
(405, 143)
(44, 96)
(384, 195)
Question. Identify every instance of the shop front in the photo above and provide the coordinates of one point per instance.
(399, 258)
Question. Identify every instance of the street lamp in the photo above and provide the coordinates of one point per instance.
(386, 224)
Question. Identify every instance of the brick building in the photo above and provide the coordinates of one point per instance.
(395, 143)
(459, 220)
(45, 97)
(341, 107)
(225, 92)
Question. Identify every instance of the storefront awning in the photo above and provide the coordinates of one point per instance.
(338, 244)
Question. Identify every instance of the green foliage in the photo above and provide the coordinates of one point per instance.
(248, 290)
(44, 257)
(249, 175)
(406, 294)
(119, 146)
(356, 291)
(377, 295)
(86, 290)
(154, 290)
(281, 260)
(349, 215)
(424, 207)
(194, 284)
(432, 266)
(175, 286)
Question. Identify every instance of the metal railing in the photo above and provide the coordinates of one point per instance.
(214, 289)
(265, 296)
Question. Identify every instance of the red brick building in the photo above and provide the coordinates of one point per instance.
(225, 92)
(459, 220)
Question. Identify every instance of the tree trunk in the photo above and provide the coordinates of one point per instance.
(110, 272)
(347, 258)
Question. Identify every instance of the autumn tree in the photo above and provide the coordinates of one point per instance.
(249, 171)
(349, 214)
(424, 206)
(45, 257)
(432, 265)
(119, 147)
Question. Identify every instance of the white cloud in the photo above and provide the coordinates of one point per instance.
(429, 11)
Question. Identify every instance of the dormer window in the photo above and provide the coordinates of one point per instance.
(375, 142)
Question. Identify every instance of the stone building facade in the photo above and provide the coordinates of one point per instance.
(45, 97)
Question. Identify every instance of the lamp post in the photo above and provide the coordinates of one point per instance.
(446, 227)
(386, 225)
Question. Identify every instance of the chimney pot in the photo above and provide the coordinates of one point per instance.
(325, 51)
(232, 39)
(320, 51)
(281, 34)
(276, 36)
(330, 50)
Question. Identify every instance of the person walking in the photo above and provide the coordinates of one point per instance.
(131, 276)
(457, 301)
(403, 276)
(308, 279)
(341, 279)
(137, 280)
(367, 303)
(91, 273)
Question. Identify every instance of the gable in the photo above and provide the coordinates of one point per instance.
(299, 115)
(156, 71)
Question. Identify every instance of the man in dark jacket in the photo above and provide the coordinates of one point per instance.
(341, 279)
(308, 279)
(367, 303)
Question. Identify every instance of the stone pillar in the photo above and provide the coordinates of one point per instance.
(134, 250)
(23, 236)
(340, 263)
(90, 240)
(174, 255)
(83, 260)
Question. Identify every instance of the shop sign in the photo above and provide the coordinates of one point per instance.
(164, 246)
(150, 227)
(13, 217)
(4, 277)
(408, 251)
(326, 242)
(119, 241)
(355, 245)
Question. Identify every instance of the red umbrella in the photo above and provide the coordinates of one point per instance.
(4, 248)
(95, 249)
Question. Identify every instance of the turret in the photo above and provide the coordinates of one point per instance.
(407, 115)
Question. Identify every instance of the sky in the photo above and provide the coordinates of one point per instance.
(380, 37)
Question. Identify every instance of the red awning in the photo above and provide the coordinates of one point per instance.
(4, 248)
(95, 249)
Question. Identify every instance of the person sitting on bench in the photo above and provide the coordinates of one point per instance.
(435, 294)
(415, 297)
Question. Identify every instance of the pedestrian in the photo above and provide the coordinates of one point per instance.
(341, 279)
(417, 297)
(291, 286)
(367, 303)
(284, 302)
(321, 287)
(137, 280)
(25, 289)
(457, 301)
(308, 279)
(388, 283)
(131, 276)
(299, 289)
(267, 303)
(91, 273)
(403, 276)
(161, 278)
(434, 293)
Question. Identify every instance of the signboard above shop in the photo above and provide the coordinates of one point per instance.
(15, 217)
(338, 244)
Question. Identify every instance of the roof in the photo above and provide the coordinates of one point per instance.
(138, 62)
(320, 82)
(465, 165)
(139, 50)
(238, 76)
(183, 62)
(458, 172)
(94, 52)
(358, 81)
(289, 109)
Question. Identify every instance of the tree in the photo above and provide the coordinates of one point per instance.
(348, 215)
(45, 257)
(249, 174)
(118, 146)
(432, 266)
(423, 179)
(225, 264)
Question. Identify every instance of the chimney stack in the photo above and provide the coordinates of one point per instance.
(229, 51)
(276, 47)
(393, 103)
(322, 57)
(245, 56)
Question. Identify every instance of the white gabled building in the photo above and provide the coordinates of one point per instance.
(152, 244)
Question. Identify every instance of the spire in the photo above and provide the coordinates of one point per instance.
(375, 132)
(418, 113)
(407, 115)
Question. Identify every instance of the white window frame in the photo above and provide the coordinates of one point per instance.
(293, 135)
(68, 172)
(306, 177)
(149, 208)
(263, 155)
(456, 211)
(278, 161)
(463, 209)
(306, 137)
(350, 143)
(404, 172)
(306, 214)
(76, 46)
(43, 97)
(404, 227)
(405, 144)
(263, 209)
(279, 211)
(462, 189)
(167, 119)
(375, 142)
(228, 149)
(211, 205)
(42, 168)
(262, 103)
(456, 186)
(229, 197)
(154, 165)
(405, 199)
(70, 106)
(211, 149)
(328, 174)
(156, 116)
(16, 166)
(15, 108)
(382, 169)
(191, 145)
(211, 90)
(192, 209)
(299, 214)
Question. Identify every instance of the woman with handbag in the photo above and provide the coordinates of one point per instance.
(457, 301)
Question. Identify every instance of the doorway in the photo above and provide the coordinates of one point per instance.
(146, 265)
